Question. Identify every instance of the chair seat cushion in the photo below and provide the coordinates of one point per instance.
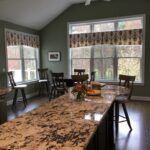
(43, 80)
(21, 86)
(121, 99)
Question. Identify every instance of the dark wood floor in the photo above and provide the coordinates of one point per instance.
(139, 137)
(139, 112)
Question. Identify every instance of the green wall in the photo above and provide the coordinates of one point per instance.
(3, 76)
(54, 35)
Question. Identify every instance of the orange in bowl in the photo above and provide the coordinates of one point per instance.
(93, 92)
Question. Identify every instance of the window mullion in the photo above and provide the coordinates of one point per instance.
(92, 59)
(92, 53)
(37, 63)
(71, 61)
(115, 55)
(141, 69)
(115, 64)
(22, 63)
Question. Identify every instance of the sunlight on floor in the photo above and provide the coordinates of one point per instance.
(131, 139)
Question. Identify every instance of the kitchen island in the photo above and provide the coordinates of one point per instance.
(64, 124)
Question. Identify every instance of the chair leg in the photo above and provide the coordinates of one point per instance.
(54, 94)
(66, 90)
(50, 93)
(116, 116)
(40, 88)
(24, 97)
(15, 97)
(47, 87)
(127, 116)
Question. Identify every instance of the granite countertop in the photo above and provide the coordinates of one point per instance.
(61, 124)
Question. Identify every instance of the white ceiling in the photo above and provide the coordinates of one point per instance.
(34, 14)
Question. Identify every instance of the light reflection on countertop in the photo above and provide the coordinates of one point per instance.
(94, 117)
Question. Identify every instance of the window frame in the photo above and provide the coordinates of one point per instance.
(116, 19)
(22, 59)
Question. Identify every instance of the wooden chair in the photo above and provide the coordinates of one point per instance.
(128, 82)
(59, 87)
(80, 78)
(92, 76)
(43, 80)
(79, 71)
(20, 87)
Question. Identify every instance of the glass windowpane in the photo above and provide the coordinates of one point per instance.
(130, 66)
(103, 51)
(29, 52)
(76, 29)
(104, 69)
(13, 51)
(30, 69)
(81, 52)
(15, 67)
(103, 27)
(130, 24)
(81, 64)
(129, 51)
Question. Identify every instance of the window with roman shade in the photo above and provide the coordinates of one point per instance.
(109, 47)
(22, 55)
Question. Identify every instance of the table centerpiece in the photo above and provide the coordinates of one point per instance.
(79, 91)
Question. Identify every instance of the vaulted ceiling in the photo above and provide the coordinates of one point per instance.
(34, 14)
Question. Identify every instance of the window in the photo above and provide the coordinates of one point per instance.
(104, 62)
(81, 58)
(80, 29)
(23, 61)
(22, 55)
(108, 58)
(102, 27)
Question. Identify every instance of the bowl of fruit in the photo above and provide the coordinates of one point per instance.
(93, 92)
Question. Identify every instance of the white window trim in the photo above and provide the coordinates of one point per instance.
(105, 20)
(6, 60)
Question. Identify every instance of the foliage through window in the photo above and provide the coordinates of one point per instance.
(23, 61)
(109, 60)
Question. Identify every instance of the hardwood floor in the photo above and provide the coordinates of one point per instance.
(139, 137)
(20, 109)
(139, 112)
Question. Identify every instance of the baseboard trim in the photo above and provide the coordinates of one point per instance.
(140, 98)
(9, 102)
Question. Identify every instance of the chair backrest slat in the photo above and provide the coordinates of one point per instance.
(127, 81)
(79, 71)
(79, 78)
(92, 76)
(11, 79)
(43, 73)
(58, 79)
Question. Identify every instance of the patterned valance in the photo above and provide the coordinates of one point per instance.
(21, 38)
(124, 37)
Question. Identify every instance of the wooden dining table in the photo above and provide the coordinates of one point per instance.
(3, 104)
